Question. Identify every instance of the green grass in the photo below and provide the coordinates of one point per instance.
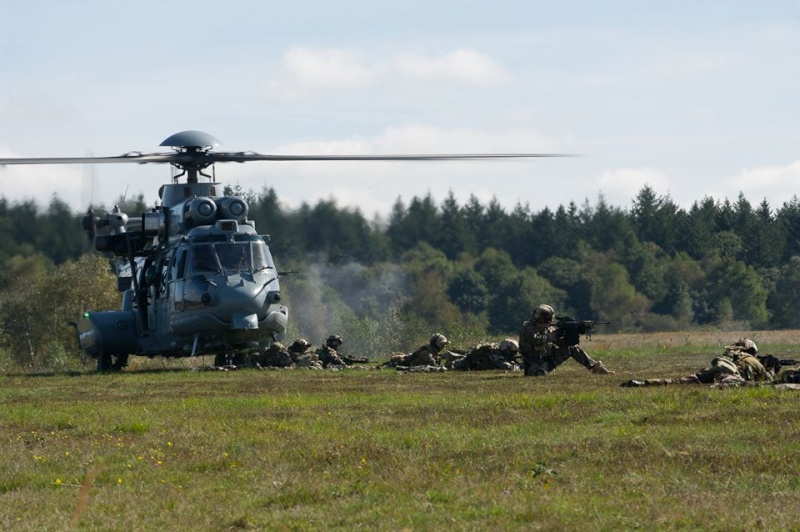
(310, 450)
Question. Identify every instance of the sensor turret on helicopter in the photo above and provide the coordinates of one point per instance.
(196, 277)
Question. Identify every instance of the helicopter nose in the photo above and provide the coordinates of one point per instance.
(244, 322)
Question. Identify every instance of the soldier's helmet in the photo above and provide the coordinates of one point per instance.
(299, 345)
(439, 340)
(543, 314)
(334, 341)
(747, 345)
(509, 345)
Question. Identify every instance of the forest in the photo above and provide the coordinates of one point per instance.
(481, 268)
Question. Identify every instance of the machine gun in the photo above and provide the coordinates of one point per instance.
(775, 364)
(569, 330)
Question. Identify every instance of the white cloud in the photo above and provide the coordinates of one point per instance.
(768, 181)
(465, 66)
(620, 185)
(306, 70)
(311, 69)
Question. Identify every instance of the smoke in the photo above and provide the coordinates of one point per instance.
(357, 302)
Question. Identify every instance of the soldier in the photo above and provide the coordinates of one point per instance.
(426, 355)
(329, 353)
(276, 356)
(489, 356)
(543, 350)
(298, 347)
(303, 356)
(737, 364)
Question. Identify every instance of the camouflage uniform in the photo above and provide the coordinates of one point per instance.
(426, 355)
(277, 356)
(488, 356)
(737, 364)
(542, 351)
(303, 356)
(329, 353)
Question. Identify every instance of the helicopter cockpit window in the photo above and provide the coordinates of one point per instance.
(242, 256)
(234, 256)
(261, 258)
(203, 258)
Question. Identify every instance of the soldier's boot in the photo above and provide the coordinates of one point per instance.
(600, 369)
(633, 384)
(659, 382)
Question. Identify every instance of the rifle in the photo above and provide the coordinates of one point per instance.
(569, 330)
(774, 363)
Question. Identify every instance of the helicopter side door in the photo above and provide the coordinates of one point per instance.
(177, 275)
(154, 287)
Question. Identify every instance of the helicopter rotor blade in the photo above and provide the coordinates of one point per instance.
(237, 157)
(203, 159)
(127, 158)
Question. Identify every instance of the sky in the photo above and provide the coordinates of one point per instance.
(692, 98)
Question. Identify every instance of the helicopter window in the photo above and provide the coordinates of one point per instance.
(203, 258)
(181, 264)
(261, 258)
(234, 256)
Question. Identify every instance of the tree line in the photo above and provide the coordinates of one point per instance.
(650, 266)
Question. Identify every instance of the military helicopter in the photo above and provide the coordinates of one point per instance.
(196, 277)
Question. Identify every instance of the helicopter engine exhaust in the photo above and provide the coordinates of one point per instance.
(108, 332)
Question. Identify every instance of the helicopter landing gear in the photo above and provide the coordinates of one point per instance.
(237, 359)
(111, 362)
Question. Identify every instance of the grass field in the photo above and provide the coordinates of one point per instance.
(309, 450)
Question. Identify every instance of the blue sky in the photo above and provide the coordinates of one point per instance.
(693, 98)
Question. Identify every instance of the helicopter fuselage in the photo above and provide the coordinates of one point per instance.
(199, 280)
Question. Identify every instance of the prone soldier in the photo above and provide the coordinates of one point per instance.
(425, 355)
(739, 363)
(329, 353)
(303, 356)
(488, 356)
(276, 356)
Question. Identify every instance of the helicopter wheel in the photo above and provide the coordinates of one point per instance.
(120, 362)
(110, 363)
(104, 362)
(237, 360)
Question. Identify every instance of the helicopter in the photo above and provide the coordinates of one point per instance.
(196, 277)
